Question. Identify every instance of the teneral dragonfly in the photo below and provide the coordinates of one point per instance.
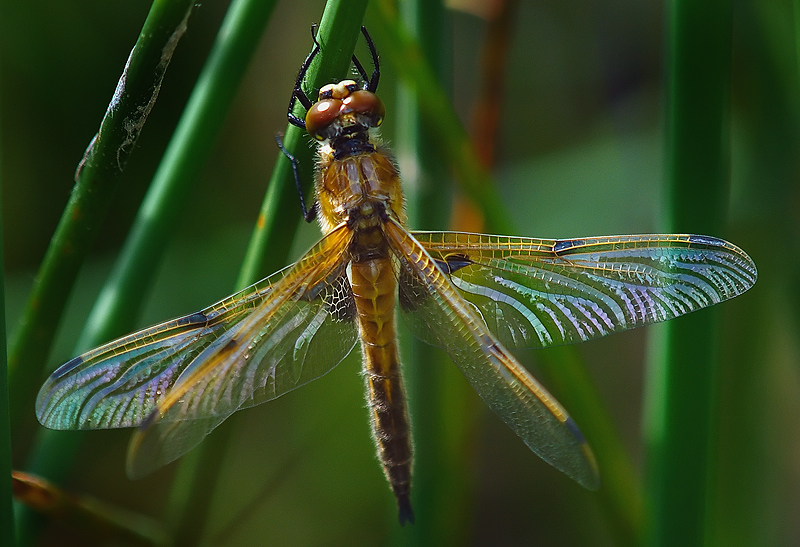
(475, 295)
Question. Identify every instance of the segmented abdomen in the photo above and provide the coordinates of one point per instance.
(375, 288)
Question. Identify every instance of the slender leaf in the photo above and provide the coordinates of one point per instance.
(97, 174)
(120, 301)
(563, 365)
(440, 424)
(6, 507)
(681, 420)
(339, 29)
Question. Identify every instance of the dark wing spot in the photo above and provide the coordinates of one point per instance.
(573, 428)
(66, 367)
(453, 263)
(230, 346)
(706, 240)
(565, 244)
(151, 418)
(198, 318)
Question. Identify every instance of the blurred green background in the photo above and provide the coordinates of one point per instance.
(580, 152)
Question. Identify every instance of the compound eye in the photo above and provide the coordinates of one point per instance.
(321, 115)
(366, 103)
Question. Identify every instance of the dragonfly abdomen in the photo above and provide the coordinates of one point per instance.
(374, 289)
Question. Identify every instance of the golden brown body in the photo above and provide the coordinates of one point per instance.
(362, 190)
(471, 294)
(374, 289)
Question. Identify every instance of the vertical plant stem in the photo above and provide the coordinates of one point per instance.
(680, 422)
(339, 31)
(120, 300)
(563, 366)
(796, 5)
(440, 485)
(6, 505)
(96, 180)
(620, 498)
(278, 219)
(441, 121)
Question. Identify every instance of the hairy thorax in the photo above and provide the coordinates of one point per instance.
(362, 190)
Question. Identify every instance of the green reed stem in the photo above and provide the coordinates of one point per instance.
(620, 495)
(120, 300)
(7, 536)
(440, 490)
(96, 181)
(408, 60)
(339, 30)
(681, 422)
(268, 251)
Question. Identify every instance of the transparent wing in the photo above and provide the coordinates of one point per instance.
(180, 379)
(432, 302)
(545, 292)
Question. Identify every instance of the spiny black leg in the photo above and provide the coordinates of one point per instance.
(308, 214)
(297, 93)
(376, 68)
(370, 83)
(361, 72)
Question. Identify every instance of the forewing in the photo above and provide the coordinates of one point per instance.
(431, 300)
(299, 333)
(184, 381)
(545, 292)
(120, 383)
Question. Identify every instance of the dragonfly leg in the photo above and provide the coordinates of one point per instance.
(310, 213)
(297, 92)
(370, 82)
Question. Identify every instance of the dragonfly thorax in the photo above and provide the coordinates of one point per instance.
(362, 190)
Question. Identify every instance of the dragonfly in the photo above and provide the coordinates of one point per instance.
(475, 295)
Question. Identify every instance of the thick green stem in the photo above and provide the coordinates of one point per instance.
(268, 251)
(120, 300)
(680, 423)
(96, 181)
(6, 506)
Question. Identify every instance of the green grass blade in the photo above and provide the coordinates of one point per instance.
(91, 196)
(408, 61)
(6, 505)
(440, 424)
(180, 167)
(339, 30)
(796, 5)
(278, 219)
(120, 301)
(620, 496)
(680, 423)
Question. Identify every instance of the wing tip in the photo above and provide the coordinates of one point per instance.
(589, 477)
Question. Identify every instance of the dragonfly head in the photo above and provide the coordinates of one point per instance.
(344, 110)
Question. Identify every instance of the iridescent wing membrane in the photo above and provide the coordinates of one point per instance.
(431, 304)
(181, 379)
(535, 293)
